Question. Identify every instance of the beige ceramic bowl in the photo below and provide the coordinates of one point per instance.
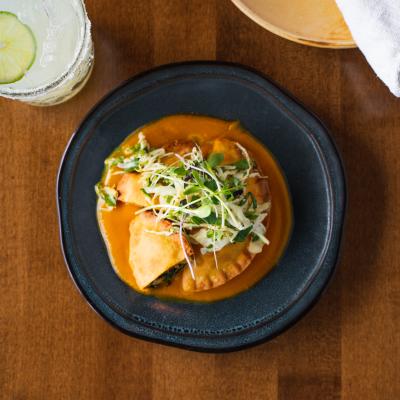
(312, 22)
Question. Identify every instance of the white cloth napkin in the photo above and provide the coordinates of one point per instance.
(375, 26)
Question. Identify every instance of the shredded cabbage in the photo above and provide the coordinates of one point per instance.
(206, 201)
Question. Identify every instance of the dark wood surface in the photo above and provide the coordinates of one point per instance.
(53, 346)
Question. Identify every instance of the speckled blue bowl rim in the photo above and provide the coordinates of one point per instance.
(235, 338)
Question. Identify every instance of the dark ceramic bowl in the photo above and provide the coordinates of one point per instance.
(307, 156)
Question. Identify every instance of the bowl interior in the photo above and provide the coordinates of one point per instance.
(298, 145)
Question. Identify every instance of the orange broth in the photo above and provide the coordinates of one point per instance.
(114, 224)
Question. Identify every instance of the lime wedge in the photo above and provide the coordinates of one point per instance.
(17, 48)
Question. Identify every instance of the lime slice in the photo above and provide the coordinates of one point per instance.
(17, 48)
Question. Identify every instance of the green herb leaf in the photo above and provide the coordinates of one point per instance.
(249, 195)
(191, 190)
(241, 165)
(211, 184)
(211, 219)
(108, 194)
(197, 220)
(145, 193)
(110, 200)
(234, 182)
(252, 216)
(197, 178)
(129, 166)
(253, 199)
(180, 171)
(167, 277)
(112, 162)
(215, 200)
(215, 159)
(203, 211)
(242, 235)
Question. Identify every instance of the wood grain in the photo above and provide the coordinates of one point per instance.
(53, 346)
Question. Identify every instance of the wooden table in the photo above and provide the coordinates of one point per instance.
(53, 346)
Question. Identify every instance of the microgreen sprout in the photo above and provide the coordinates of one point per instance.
(206, 200)
(108, 196)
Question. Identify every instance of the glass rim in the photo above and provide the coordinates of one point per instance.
(18, 93)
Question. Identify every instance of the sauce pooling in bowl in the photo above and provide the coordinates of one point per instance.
(114, 225)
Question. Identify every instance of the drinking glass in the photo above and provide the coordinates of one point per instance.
(64, 50)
